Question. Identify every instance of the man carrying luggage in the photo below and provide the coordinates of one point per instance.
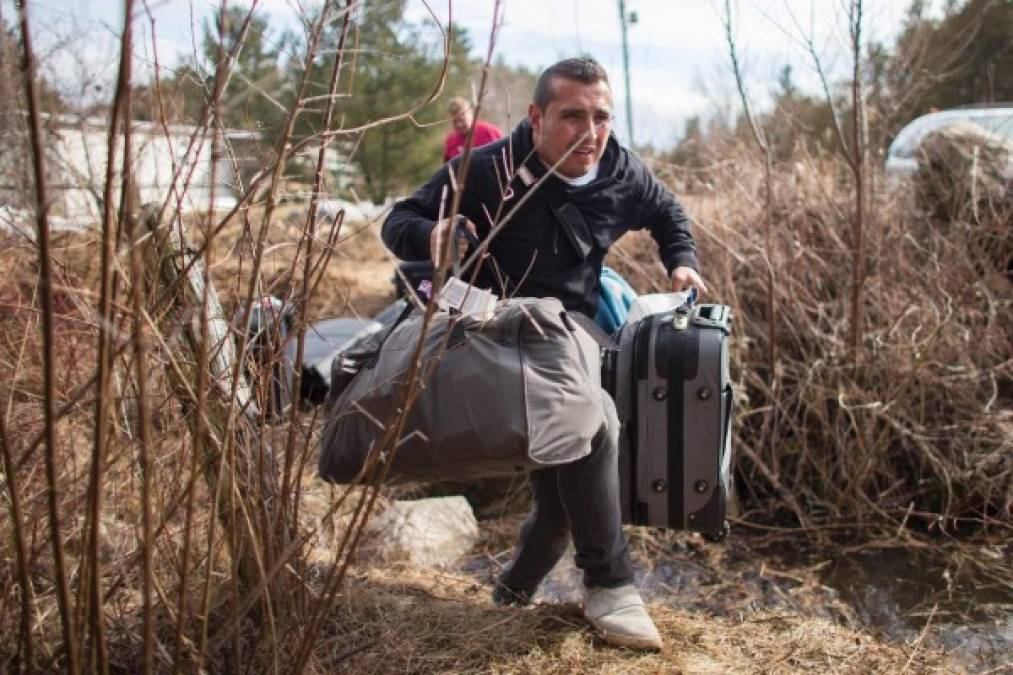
(578, 191)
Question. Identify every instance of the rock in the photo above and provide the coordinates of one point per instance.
(426, 532)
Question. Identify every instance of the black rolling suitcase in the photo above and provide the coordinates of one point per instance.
(670, 381)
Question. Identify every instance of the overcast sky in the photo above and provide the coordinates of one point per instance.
(678, 55)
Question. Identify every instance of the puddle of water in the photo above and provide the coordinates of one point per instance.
(898, 591)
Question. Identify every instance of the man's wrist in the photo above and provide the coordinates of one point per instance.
(671, 272)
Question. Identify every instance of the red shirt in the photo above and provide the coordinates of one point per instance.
(454, 144)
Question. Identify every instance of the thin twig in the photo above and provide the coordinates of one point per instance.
(48, 356)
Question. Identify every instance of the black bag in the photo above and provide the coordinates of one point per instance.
(673, 395)
(273, 345)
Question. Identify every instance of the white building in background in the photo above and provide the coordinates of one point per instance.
(76, 165)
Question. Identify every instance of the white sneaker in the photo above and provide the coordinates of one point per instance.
(619, 616)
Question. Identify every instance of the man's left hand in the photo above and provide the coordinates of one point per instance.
(684, 277)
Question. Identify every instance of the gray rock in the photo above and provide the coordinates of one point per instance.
(426, 532)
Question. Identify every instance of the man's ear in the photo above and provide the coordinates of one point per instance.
(535, 117)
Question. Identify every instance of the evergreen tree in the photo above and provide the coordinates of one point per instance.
(396, 69)
(797, 119)
(256, 96)
(253, 98)
(984, 73)
(965, 57)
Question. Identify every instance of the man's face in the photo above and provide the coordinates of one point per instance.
(578, 116)
(461, 121)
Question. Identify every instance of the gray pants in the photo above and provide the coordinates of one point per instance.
(579, 499)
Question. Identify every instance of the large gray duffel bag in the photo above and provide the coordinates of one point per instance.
(517, 392)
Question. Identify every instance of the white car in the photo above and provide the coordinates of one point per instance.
(901, 160)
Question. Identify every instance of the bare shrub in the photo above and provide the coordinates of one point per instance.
(158, 523)
(919, 432)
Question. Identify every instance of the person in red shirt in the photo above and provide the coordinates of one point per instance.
(461, 116)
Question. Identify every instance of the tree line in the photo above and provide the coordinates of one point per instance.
(394, 67)
(962, 57)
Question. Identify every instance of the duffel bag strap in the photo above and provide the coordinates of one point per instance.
(368, 359)
(607, 346)
(591, 327)
(346, 366)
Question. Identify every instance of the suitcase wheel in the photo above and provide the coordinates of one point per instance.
(718, 535)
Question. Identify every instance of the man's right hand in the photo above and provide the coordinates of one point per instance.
(683, 277)
(439, 235)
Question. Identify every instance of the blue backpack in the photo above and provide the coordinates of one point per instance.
(614, 301)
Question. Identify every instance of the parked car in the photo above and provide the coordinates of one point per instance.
(901, 158)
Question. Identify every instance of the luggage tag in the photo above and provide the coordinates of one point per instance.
(457, 295)
(467, 299)
(680, 319)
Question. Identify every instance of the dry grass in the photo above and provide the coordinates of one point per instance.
(407, 620)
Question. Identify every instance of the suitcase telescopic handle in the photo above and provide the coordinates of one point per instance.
(461, 231)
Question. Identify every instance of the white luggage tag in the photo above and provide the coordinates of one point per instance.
(459, 295)
(467, 299)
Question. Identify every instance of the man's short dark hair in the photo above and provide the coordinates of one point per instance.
(583, 70)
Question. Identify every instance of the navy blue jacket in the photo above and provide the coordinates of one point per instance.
(553, 245)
